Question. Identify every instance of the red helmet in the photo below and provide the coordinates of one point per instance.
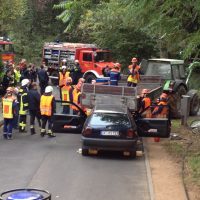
(134, 60)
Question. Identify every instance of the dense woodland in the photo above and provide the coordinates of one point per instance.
(141, 28)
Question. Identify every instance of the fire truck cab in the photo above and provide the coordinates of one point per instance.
(92, 59)
(6, 50)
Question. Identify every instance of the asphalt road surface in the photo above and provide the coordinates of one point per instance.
(55, 164)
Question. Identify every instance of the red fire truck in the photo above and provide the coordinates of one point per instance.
(6, 50)
(92, 59)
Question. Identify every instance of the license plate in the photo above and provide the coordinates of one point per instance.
(110, 133)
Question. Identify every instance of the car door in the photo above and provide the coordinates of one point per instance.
(65, 121)
(153, 127)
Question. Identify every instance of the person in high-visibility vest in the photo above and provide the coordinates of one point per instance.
(161, 110)
(114, 74)
(65, 95)
(9, 103)
(145, 103)
(23, 104)
(63, 75)
(75, 94)
(17, 75)
(133, 73)
(47, 109)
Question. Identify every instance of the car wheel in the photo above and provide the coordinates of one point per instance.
(84, 152)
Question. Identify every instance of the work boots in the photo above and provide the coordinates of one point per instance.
(51, 134)
(42, 132)
(32, 130)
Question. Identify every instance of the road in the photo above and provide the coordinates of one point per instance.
(56, 165)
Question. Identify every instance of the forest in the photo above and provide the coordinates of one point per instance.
(139, 28)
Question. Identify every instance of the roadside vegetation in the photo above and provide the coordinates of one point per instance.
(185, 148)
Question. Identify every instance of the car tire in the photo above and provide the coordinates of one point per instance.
(194, 105)
(85, 152)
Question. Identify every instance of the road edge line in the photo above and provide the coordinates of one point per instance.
(149, 176)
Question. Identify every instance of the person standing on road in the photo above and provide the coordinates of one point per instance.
(114, 75)
(65, 95)
(76, 72)
(133, 74)
(34, 106)
(23, 104)
(63, 75)
(43, 79)
(9, 104)
(47, 108)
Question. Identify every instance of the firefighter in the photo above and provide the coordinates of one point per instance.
(17, 75)
(9, 103)
(43, 78)
(34, 106)
(63, 75)
(75, 94)
(114, 75)
(133, 74)
(47, 108)
(65, 95)
(23, 104)
(76, 72)
(161, 110)
(145, 103)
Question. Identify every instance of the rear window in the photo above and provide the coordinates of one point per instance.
(105, 119)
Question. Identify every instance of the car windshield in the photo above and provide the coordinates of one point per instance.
(106, 119)
(160, 69)
(103, 56)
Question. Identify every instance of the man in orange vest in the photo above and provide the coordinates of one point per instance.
(9, 104)
(75, 94)
(133, 74)
(161, 110)
(65, 95)
(47, 108)
(63, 75)
(145, 103)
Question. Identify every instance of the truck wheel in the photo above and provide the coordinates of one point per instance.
(54, 81)
(194, 105)
(89, 78)
(175, 101)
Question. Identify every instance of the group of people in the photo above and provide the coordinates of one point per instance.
(24, 97)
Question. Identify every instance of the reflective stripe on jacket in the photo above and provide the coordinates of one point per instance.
(65, 94)
(134, 75)
(63, 78)
(23, 105)
(46, 105)
(8, 107)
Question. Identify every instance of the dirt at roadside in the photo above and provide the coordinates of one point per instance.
(165, 172)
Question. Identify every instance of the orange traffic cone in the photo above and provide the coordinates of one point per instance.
(156, 139)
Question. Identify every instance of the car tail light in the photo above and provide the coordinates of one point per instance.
(87, 131)
(131, 133)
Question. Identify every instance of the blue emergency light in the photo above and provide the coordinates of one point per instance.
(25, 194)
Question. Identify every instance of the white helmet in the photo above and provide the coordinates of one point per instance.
(76, 61)
(64, 60)
(64, 67)
(48, 89)
(25, 82)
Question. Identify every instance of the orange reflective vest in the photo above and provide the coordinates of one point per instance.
(46, 105)
(164, 112)
(136, 77)
(75, 95)
(147, 104)
(65, 94)
(7, 107)
(63, 78)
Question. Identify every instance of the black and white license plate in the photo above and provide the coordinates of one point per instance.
(110, 133)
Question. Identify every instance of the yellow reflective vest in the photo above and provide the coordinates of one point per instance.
(8, 107)
(46, 105)
(65, 94)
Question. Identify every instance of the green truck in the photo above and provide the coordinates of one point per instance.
(177, 80)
